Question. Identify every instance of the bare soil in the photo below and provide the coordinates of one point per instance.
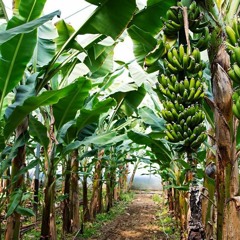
(139, 222)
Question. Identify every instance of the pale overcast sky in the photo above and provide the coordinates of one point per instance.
(76, 12)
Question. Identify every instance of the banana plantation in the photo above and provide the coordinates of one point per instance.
(73, 117)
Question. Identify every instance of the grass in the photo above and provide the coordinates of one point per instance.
(166, 221)
(91, 229)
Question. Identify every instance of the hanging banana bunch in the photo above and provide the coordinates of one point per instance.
(181, 85)
(233, 46)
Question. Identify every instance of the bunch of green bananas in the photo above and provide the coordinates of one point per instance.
(236, 105)
(233, 33)
(198, 26)
(233, 45)
(202, 39)
(181, 86)
(174, 22)
(178, 60)
(196, 18)
(185, 92)
(183, 97)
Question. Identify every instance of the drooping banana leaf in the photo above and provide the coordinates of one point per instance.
(17, 52)
(143, 41)
(64, 32)
(32, 103)
(26, 27)
(118, 13)
(66, 109)
(149, 19)
(38, 131)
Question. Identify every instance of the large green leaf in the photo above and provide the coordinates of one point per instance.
(95, 2)
(46, 47)
(163, 153)
(143, 43)
(26, 27)
(25, 211)
(131, 100)
(110, 18)
(22, 93)
(99, 60)
(100, 140)
(32, 103)
(88, 115)
(149, 19)
(15, 200)
(150, 118)
(64, 32)
(91, 115)
(66, 109)
(38, 131)
(17, 52)
(10, 152)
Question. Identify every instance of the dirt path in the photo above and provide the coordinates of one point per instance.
(138, 222)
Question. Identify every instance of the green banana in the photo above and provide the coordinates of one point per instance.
(172, 15)
(236, 69)
(236, 51)
(186, 83)
(200, 139)
(185, 61)
(169, 136)
(236, 111)
(233, 76)
(181, 52)
(196, 54)
(191, 65)
(231, 35)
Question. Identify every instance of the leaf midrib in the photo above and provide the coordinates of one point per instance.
(14, 59)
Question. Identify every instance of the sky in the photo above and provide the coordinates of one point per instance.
(76, 12)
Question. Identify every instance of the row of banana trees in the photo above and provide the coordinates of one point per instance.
(65, 103)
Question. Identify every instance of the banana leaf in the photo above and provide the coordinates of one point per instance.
(32, 103)
(17, 52)
(149, 19)
(118, 13)
(66, 109)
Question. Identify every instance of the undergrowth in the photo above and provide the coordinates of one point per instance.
(91, 229)
(167, 223)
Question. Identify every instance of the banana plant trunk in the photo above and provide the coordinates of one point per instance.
(208, 207)
(67, 219)
(133, 175)
(94, 205)
(13, 221)
(86, 212)
(196, 229)
(74, 193)
(48, 227)
(227, 184)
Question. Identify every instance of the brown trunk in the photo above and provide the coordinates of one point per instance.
(110, 184)
(133, 175)
(67, 218)
(170, 199)
(86, 213)
(196, 229)
(209, 190)
(74, 193)
(227, 170)
(13, 221)
(100, 194)
(96, 184)
(48, 227)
